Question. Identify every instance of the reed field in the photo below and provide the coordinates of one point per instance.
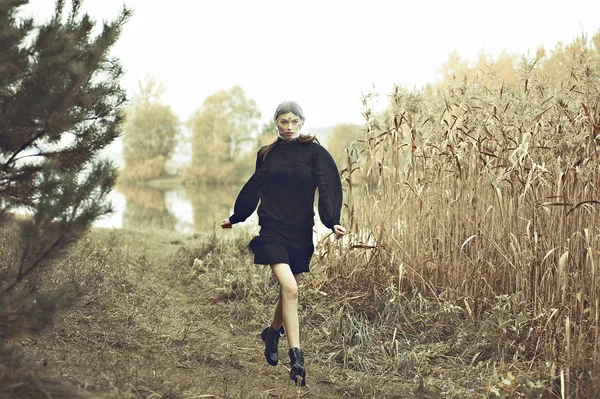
(484, 198)
(470, 269)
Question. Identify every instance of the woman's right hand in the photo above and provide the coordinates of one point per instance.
(339, 231)
(226, 224)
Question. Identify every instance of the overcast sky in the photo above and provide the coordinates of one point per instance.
(321, 53)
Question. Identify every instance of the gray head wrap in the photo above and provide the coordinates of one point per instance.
(289, 106)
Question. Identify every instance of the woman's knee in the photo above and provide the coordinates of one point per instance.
(289, 291)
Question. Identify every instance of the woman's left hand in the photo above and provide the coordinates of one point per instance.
(226, 224)
(339, 231)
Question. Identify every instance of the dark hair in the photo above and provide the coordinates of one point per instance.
(284, 108)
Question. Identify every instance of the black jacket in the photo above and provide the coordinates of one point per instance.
(285, 184)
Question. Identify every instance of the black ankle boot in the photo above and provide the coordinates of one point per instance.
(297, 372)
(271, 340)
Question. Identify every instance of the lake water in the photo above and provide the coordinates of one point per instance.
(181, 209)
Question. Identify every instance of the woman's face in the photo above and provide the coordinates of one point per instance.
(289, 125)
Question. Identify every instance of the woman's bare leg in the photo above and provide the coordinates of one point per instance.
(286, 310)
(277, 317)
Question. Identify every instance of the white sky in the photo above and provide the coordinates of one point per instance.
(321, 53)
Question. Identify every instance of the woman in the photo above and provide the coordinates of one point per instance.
(288, 171)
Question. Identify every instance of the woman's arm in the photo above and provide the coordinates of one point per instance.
(330, 188)
(247, 199)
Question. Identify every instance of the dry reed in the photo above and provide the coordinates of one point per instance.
(484, 194)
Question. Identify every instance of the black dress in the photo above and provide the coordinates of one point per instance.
(285, 185)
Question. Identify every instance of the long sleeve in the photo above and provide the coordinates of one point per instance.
(329, 185)
(247, 199)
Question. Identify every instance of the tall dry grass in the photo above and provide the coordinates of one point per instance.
(487, 196)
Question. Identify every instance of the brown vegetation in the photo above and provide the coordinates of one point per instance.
(171, 316)
(487, 197)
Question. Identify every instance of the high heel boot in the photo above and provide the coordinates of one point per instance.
(297, 372)
(271, 340)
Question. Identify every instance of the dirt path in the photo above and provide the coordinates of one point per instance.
(139, 333)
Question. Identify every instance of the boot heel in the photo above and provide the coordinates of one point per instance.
(263, 334)
(298, 377)
(297, 371)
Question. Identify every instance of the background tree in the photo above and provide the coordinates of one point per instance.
(487, 70)
(267, 134)
(150, 133)
(343, 136)
(60, 103)
(222, 130)
(553, 65)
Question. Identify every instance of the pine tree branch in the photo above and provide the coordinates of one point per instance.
(19, 57)
(24, 146)
(51, 153)
(23, 257)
